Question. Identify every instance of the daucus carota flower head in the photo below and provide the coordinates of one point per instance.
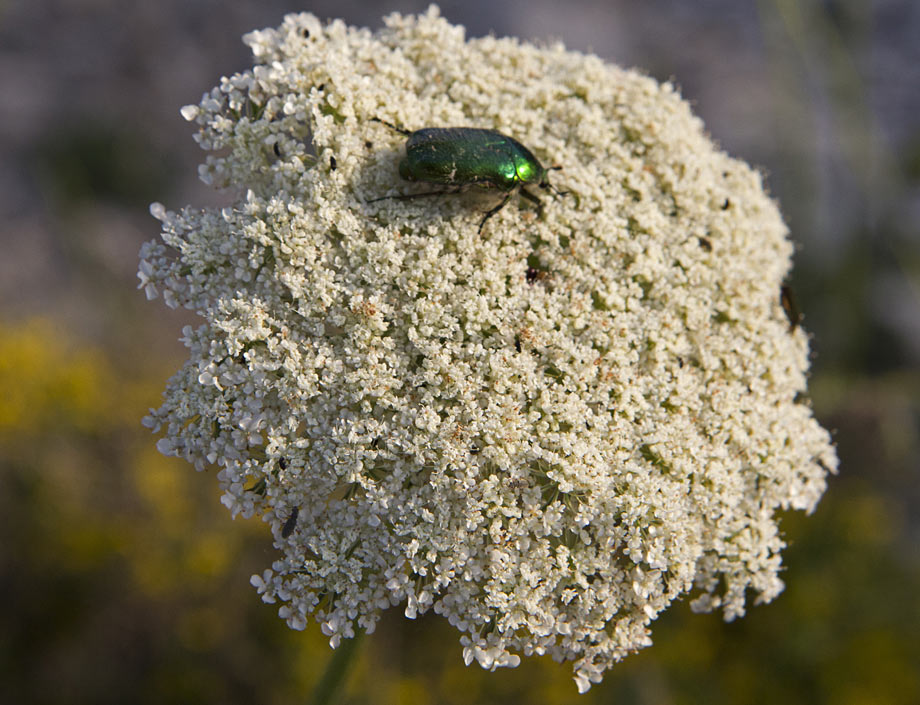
(546, 432)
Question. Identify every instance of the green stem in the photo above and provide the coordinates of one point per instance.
(330, 685)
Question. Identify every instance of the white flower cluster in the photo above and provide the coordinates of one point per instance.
(545, 432)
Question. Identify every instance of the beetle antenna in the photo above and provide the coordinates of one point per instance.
(400, 130)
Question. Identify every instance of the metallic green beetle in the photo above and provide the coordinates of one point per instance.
(458, 157)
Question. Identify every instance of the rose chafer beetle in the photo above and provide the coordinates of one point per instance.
(459, 157)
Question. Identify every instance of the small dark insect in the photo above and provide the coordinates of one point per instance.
(332, 163)
(726, 205)
(705, 244)
(282, 463)
(459, 157)
(277, 150)
(787, 300)
(290, 524)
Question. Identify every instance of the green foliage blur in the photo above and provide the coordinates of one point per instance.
(124, 580)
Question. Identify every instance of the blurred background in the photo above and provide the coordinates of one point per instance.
(122, 577)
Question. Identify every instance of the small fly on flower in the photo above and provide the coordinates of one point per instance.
(290, 524)
(787, 300)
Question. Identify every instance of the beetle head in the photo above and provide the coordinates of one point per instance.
(544, 182)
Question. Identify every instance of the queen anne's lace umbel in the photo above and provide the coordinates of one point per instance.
(546, 432)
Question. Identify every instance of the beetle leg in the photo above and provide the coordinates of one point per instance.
(496, 209)
(408, 196)
(533, 199)
(400, 130)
